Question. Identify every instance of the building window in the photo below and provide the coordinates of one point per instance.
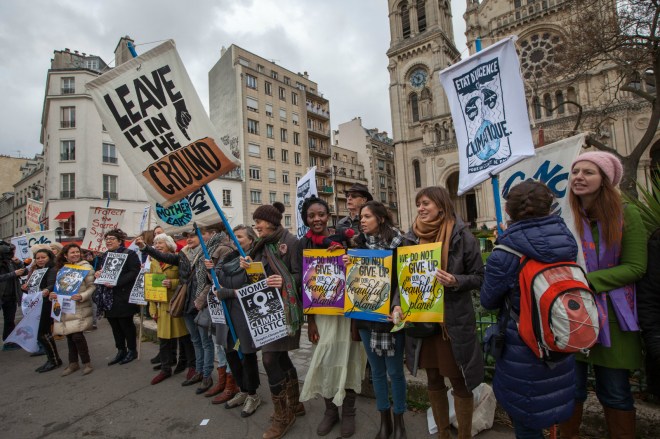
(272, 177)
(68, 86)
(283, 135)
(109, 153)
(296, 138)
(547, 103)
(405, 20)
(536, 103)
(560, 102)
(254, 150)
(269, 110)
(68, 186)
(283, 114)
(282, 94)
(298, 177)
(253, 126)
(269, 131)
(287, 220)
(421, 17)
(382, 180)
(312, 160)
(260, 68)
(414, 107)
(68, 117)
(67, 150)
(110, 187)
(255, 173)
(418, 174)
(252, 104)
(287, 80)
(255, 197)
(294, 98)
(226, 197)
(268, 87)
(285, 156)
(270, 152)
(381, 165)
(297, 158)
(287, 198)
(273, 74)
(383, 197)
(273, 197)
(294, 118)
(251, 81)
(285, 178)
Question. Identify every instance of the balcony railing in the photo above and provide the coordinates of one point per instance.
(67, 194)
(108, 159)
(67, 124)
(111, 195)
(327, 189)
(318, 111)
(68, 90)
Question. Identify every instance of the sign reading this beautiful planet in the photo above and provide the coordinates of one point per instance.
(323, 281)
(422, 297)
(368, 284)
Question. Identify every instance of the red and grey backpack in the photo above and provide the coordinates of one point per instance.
(558, 313)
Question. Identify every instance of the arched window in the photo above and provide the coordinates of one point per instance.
(559, 96)
(414, 107)
(405, 20)
(571, 96)
(418, 173)
(421, 15)
(537, 107)
(547, 103)
(438, 133)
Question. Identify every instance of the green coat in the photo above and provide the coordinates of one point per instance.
(626, 350)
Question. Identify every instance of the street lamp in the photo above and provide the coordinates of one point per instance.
(58, 233)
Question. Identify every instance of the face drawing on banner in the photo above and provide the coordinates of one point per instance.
(70, 282)
(57, 309)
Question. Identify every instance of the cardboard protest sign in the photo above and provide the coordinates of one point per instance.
(305, 188)
(32, 214)
(26, 331)
(264, 312)
(111, 269)
(551, 165)
(22, 248)
(69, 279)
(368, 284)
(215, 309)
(43, 237)
(137, 292)
(34, 280)
(100, 221)
(487, 100)
(255, 272)
(159, 125)
(154, 290)
(323, 282)
(422, 297)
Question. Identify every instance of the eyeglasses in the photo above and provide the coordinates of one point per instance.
(353, 195)
(111, 238)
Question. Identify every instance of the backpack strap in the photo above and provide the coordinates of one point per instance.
(508, 249)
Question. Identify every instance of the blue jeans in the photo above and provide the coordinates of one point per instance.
(222, 357)
(381, 366)
(612, 386)
(523, 432)
(196, 341)
(208, 349)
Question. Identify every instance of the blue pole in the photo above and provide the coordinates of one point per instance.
(131, 48)
(494, 179)
(230, 232)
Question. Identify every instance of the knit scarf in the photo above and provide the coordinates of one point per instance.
(269, 245)
(624, 298)
(438, 230)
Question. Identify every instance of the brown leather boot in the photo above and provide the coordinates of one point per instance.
(440, 408)
(399, 427)
(620, 423)
(385, 425)
(220, 385)
(330, 418)
(571, 428)
(464, 408)
(293, 394)
(283, 418)
(348, 414)
(231, 389)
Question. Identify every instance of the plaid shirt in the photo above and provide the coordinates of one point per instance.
(382, 343)
(374, 243)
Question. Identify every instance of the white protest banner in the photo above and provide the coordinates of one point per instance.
(25, 333)
(32, 214)
(306, 188)
(137, 292)
(159, 125)
(22, 248)
(145, 218)
(43, 237)
(99, 221)
(69, 279)
(487, 100)
(552, 166)
(27, 299)
(215, 309)
(112, 266)
(34, 280)
(264, 312)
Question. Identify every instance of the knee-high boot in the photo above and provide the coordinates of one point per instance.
(50, 347)
(348, 414)
(283, 418)
(440, 407)
(571, 428)
(464, 408)
(620, 423)
(293, 393)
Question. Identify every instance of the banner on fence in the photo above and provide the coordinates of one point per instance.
(368, 284)
(99, 221)
(264, 312)
(111, 269)
(323, 281)
(422, 297)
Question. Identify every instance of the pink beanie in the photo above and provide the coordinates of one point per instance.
(608, 163)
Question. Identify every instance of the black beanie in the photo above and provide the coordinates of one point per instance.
(271, 213)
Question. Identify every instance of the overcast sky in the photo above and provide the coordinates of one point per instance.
(340, 43)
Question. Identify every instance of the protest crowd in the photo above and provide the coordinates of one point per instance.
(222, 299)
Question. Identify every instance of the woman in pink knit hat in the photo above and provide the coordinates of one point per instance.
(614, 245)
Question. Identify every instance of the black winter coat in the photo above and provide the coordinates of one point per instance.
(9, 287)
(122, 291)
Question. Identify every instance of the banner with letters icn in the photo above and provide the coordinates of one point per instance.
(153, 113)
(551, 165)
(487, 100)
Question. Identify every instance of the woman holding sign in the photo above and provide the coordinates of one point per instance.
(614, 245)
(278, 250)
(44, 258)
(74, 325)
(454, 351)
(337, 366)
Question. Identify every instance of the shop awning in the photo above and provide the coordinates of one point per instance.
(64, 216)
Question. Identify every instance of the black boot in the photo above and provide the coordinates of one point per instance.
(399, 427)
(385, 425)
(130, 356)
(121, 353)
(156, 359)
(51, 351)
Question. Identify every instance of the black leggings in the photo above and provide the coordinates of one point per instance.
(279, 368)
(246, 371)
(123, 330)
(9, 308)
(77, 347)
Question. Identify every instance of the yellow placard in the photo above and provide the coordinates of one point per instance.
(422, 297)
(152, 293)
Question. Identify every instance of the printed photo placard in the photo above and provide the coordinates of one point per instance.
(422, 297)
(69, 279)
(323, 282)
(368, 284)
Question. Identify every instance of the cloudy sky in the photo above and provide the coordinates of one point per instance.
(340, 43)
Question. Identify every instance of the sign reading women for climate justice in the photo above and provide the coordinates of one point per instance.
(150, 108)
(137, 292)
(112, 266)
(422, 296)
(323, 282)
(368, 284)
(264, 311)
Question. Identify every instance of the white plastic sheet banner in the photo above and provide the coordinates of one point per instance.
(551, 165)
(487, 100)
(306, 188)
(153, 113)
(25, 333)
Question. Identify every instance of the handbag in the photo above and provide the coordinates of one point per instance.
(178, 301)
(203, 318)
(422, 329)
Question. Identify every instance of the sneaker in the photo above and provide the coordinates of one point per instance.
(237, 400)
(250, 406)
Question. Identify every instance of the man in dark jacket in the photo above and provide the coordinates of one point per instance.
(356, 196)
(9, 291)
